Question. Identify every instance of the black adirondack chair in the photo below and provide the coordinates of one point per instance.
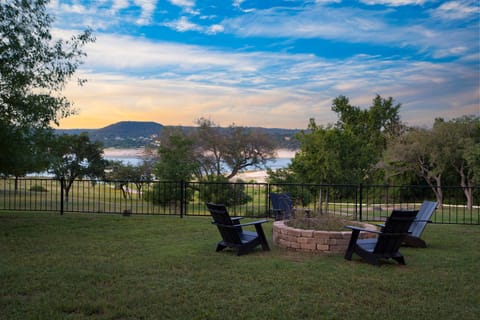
(282, 206)
(233, 235)
(418, 225)
(388, 241)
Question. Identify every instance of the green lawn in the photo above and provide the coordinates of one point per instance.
(87, 266)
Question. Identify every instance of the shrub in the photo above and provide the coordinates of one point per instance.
(220, 190)
(37, 188)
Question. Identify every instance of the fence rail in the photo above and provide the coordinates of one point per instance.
(360, 202)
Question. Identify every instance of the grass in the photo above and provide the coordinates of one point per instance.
(88, 266)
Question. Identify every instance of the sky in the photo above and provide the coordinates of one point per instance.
(273, 64)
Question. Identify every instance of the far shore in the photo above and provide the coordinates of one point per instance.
(139, 152)
(259, 176)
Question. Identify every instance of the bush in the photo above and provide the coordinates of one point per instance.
(220, 190)
(37, 188)
(165, 193)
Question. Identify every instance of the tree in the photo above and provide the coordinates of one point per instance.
(177, 160)
(211, 151)
(461, 146)
(418, 150)
(25, 155)
(228, 151)
(347, 151)
(75, 156)
(432, 153)
(33, 71)
(123, 174)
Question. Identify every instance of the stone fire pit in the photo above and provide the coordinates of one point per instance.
(315, 240)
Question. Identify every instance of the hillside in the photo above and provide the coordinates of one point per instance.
(136, 134)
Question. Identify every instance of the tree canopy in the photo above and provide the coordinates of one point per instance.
(347, 151)
(34, 69)
(211, 151)
(75, 156)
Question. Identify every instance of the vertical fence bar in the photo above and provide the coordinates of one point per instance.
(360, 200)
(183, 200)
(62, 182)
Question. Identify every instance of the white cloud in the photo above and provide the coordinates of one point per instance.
(183, 3)
(216, 28)
(183, 25)
(352, 25)
(395, 3)
(113, 52)
(457, 10)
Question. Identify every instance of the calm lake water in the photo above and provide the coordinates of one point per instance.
(277, 163)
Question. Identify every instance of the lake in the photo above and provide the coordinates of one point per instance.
(274, 164)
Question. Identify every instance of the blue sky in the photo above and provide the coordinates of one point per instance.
(271, 63)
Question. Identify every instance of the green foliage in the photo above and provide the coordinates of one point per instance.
(167, 193)
(348, 151)
(37, 188)
(220, 190)
(33, 66)
(447, 152)
(33, 72)
(177, 158)
(209, 151)
(75, 156)
(23, 151)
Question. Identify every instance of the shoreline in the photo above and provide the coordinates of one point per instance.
(259, 176)
(140, 152)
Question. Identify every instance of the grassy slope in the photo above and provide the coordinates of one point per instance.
(149, 267)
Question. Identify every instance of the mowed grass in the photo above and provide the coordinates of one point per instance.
(92, 266)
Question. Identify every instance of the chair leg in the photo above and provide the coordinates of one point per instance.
(220, 247)
(400, 259)
(261, 236)
(351, 244)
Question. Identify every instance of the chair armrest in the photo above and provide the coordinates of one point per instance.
(362, 229)
(236, 218)
(234, 226)
(253, 223)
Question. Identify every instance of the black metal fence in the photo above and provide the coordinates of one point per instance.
(361, 202)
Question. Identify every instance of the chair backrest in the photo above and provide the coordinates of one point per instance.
(282, 202)
(222, 220)
(396, 227)
(423, 216)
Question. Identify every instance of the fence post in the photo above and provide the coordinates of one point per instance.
(361, 201)
(183, 200)
(62, 182)
(267, 200)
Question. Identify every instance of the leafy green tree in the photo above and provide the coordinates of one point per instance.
(347, 151)
(177, 161)
(124, 174)
(418, 150)
(432, 153)
(34, 69)
(228, 151)
(460, 139)
(25, 155)
(75, 156)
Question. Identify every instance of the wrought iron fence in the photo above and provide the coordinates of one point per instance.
(361, 202)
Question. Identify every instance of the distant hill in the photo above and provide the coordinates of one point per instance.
(136, 134)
